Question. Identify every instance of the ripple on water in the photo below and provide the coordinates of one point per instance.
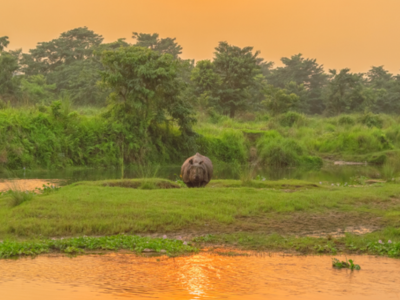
(201, 276)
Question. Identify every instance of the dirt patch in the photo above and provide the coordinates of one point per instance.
(308, 224)
(333, 224)
(26, 184)
(348, 163)
(134, 184)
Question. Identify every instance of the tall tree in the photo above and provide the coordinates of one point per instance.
(153, 42)
(146, 94)
(347, 93)
(307, 73)
(3, 42)
(386, 88)
(70, 63)
(237, 68)
(74, 45)
(9, 83)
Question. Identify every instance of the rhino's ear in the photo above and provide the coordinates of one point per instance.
(191, 161)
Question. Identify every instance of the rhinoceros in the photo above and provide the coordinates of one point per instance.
(197, 171)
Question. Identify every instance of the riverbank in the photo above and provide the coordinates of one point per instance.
(259, 215)
(45, 137)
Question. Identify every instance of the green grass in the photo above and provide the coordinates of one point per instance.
(384, 242)
(141, 183)
(94, 209)
(236, 214)
(278, 185)
(79, 245)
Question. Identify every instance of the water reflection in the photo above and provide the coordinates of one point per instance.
(202, 276)
(328, 173)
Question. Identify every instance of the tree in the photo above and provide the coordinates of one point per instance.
(347, 93)
(278, 100)
(146, 94)
(3, 42)
(153, 42)
(387, 90)
(71, 64)
(205, 83)
(74, 45)
(205, 78)
(307, 73)
(34, 88)
(9, 83)
(237, 68)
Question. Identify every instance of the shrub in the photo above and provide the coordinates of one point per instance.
(346, 120)
(227, 146)
(289, 118)
(371, 120)
(275, 150)
(355, 140)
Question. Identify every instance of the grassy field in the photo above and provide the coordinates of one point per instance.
(275, 215)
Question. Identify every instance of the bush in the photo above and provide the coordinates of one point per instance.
(371, 120)
(355, 141)
(262, 117)
(346, 120)
(275, 150)
(290, 118)
(377, 159)
(227, 146)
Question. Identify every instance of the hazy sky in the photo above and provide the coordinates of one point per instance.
(339, 33)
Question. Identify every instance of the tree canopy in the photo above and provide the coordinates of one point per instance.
(153, 42)
(236, 80)
(146, 93)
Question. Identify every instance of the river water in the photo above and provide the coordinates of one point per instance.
(200, 276)
(328, 174)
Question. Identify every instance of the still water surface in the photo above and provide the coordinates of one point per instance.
(201, 276)
(329, 173)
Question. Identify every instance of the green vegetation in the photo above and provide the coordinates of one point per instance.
(55, 136)
(76, 101)
(19, 197)
(350, 243)
(79, 245)
(267, 216)
(345, 264)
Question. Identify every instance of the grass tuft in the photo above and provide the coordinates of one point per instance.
(19, 197)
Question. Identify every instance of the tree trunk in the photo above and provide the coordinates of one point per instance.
(232, 112)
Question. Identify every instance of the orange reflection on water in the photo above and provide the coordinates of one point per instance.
(201, 276)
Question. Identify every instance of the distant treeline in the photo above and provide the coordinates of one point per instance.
(237, 80)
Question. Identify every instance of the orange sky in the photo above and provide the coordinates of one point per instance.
(339, 33)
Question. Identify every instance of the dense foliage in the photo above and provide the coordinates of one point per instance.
(146, 100)
(237, 80)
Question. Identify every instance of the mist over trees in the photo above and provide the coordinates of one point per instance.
(236, 81)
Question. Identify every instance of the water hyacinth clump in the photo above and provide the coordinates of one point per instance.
(80, 244)
(389, 248)
(348, 264)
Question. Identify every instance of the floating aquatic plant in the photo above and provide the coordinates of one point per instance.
(348, 264)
